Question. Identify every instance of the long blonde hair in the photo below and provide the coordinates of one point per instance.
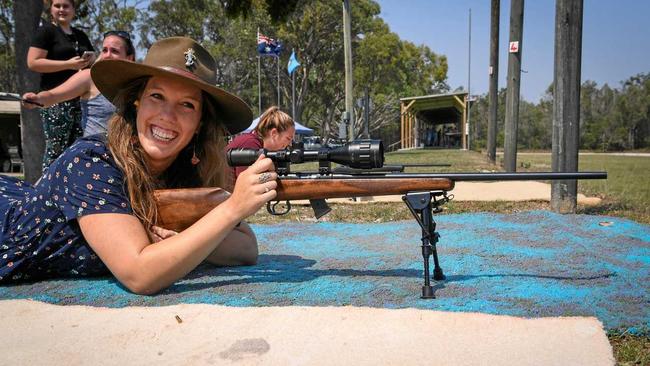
(123, 143)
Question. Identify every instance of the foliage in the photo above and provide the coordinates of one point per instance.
(97, 17)
(387, 66)
(610, 119)
(8, 81)
(278, 10)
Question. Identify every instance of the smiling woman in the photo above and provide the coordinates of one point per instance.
(94, 211)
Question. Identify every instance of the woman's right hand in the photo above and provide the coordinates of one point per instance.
(78, 63)
(254, 187)
(31, 97)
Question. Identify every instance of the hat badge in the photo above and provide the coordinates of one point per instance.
(190, 58)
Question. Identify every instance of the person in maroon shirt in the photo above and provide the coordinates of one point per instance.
(275, 131)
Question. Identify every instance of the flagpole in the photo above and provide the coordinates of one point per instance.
(291, 68)
(259, 78)
(259, 86)
(278, 64)
(293, 95)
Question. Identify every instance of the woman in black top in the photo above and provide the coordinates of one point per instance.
(57, 52)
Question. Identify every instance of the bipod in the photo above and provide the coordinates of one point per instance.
(423, 205)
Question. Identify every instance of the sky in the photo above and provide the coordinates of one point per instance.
(615, 39)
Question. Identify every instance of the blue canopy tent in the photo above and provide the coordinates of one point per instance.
(300, 129)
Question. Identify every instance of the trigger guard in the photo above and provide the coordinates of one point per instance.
(270, 208)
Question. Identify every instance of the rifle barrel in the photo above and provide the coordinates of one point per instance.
(500, 176)
(459, 177)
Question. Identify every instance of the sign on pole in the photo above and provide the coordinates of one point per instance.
(514, 47)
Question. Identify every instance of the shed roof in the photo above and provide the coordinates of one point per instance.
(437, 108)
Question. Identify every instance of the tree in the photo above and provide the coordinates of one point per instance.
(634, 110)
(96, 17)
(278, 10)
(8, 80)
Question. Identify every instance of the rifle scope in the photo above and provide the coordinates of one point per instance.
(361, 154)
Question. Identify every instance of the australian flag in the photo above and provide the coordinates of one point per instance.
(267, 46)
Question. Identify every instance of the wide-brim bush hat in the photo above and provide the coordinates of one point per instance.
(179, 58)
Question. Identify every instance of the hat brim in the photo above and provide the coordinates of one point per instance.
(110, 76)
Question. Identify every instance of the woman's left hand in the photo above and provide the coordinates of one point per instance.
(156, 234)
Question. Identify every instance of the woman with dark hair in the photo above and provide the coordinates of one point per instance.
(57, 52)
(94, 210)
(95, 108)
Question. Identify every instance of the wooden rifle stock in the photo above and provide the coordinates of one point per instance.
(298, 189)
(178, 209)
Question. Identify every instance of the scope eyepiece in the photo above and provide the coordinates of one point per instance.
(360, 154)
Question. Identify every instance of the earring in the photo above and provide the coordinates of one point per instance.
(195, 159)
(136, 103)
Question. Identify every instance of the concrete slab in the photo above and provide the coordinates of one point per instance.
(44, 334)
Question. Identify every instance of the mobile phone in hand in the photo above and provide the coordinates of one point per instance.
(17, 97)
(87, 55)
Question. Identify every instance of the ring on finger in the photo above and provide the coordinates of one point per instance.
(264, 177)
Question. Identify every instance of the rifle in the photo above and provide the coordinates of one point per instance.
(423, 193)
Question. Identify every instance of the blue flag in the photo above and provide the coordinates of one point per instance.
(293, 63)
(267, 46)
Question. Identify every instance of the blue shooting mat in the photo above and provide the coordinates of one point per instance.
(529, 264)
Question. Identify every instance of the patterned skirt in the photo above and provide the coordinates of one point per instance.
(62, 126)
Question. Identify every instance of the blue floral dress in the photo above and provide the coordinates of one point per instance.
(40, 235)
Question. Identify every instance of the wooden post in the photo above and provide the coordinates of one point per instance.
(27, 15)
(409, 131)
(514, 77)
(402, 118)
(494, 82)
(464, 137)
(566, 102)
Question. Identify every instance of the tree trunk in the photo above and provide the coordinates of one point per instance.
(27, 16)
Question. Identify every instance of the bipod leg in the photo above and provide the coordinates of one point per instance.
(422, 207)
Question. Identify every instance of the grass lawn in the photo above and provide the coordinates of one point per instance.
(626, 193)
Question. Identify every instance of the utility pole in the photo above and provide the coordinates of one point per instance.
(494, 82)
(347, 47)
(514, 78)
(566, 102)
(469, 77)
